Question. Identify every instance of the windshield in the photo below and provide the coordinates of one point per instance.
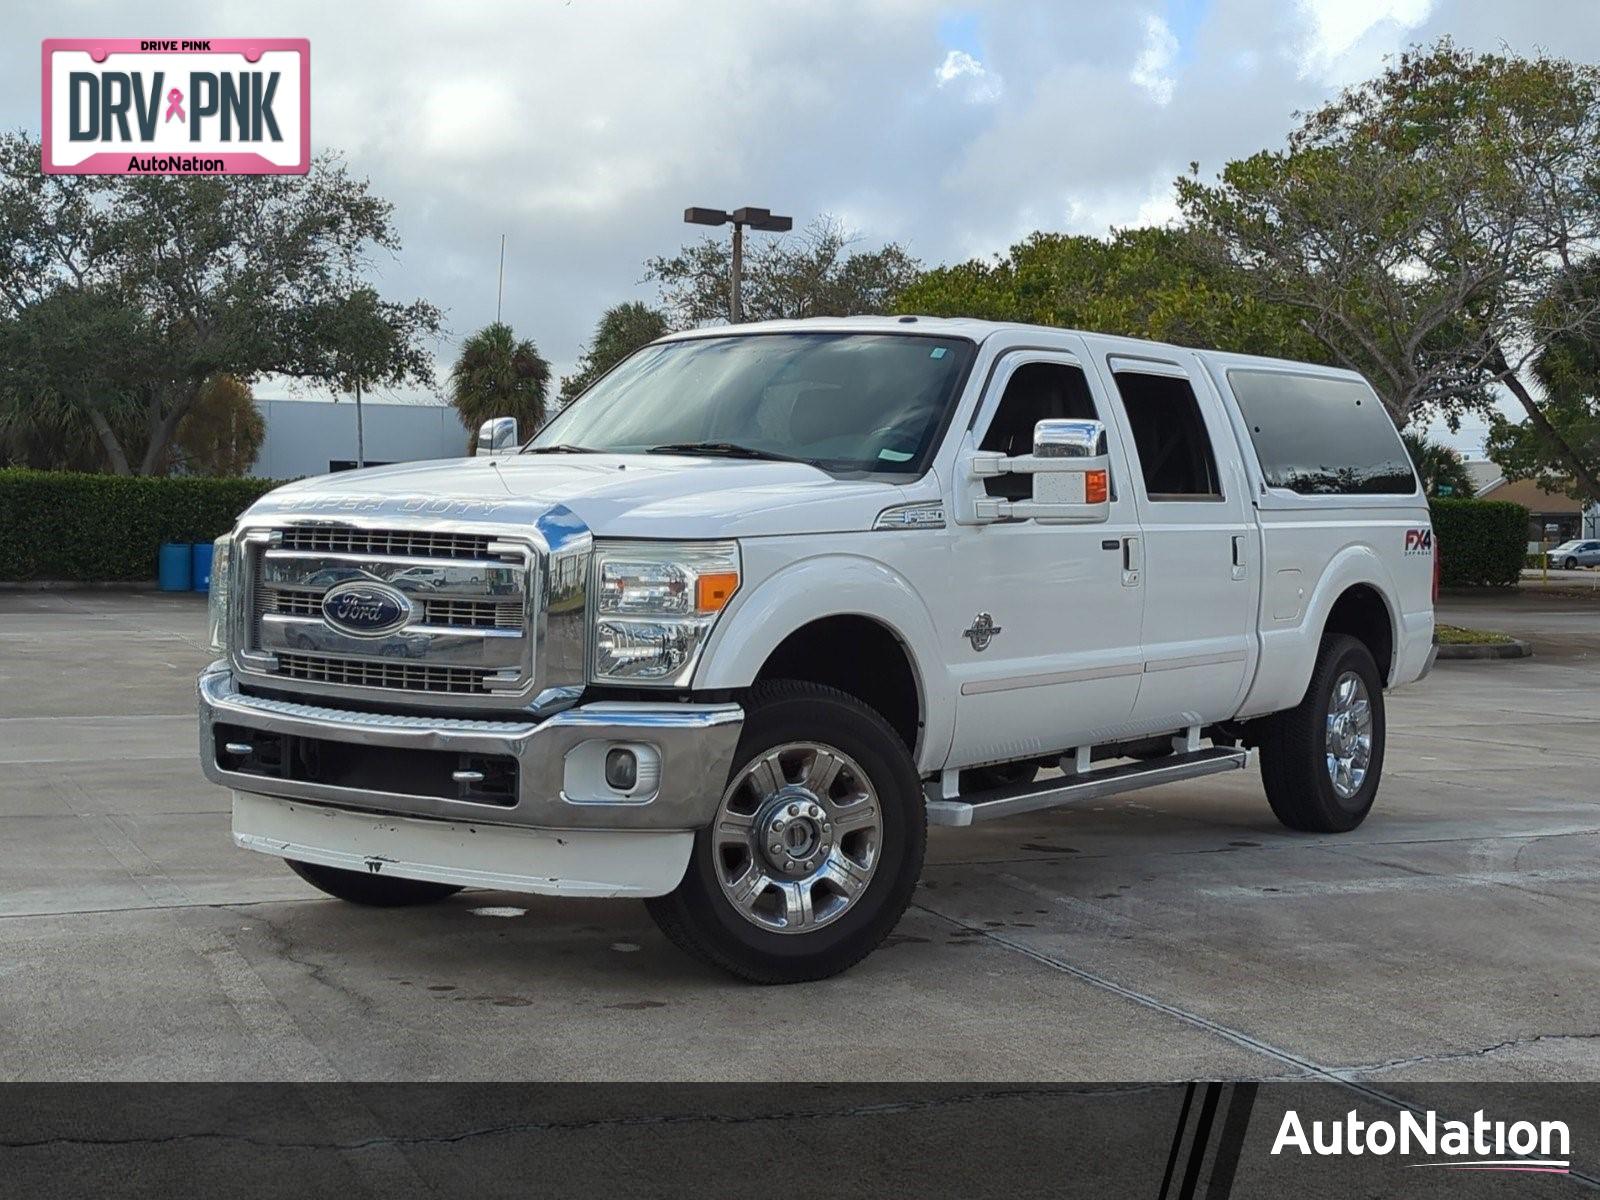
(841, 401)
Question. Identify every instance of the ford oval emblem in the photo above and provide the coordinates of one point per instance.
(365, 609)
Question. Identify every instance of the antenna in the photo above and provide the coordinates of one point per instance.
(500, 293)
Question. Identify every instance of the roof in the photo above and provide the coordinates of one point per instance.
(1484, 474)
(1532, 497)
(978, 331)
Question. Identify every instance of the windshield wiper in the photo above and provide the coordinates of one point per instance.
(561, 448)
(722, 450)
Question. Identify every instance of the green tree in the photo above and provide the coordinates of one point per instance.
(1568, 375)
(225, 272)
(361, 341)
(222, 433)
(623, 328)
(1148, 282)
(1443, 471)
(813, 273)
(1419, 222)
(76, 364)
(496, 375)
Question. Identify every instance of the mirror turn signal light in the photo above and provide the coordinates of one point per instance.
(713, 590)
(1096, 487)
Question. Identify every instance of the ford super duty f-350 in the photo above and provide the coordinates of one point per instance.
(766, 601)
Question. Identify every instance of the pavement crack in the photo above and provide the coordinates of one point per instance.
(965, 1097)
(284, 947)
(1395, 1064)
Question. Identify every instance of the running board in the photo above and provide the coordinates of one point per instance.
(1052, 793)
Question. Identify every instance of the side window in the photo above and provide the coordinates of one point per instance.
(1322, 435)
(1039, 391)
(1169, 435)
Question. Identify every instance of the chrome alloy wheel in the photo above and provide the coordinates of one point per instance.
(797, 837)
(1348, 742)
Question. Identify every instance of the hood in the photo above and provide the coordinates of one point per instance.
(615, 495)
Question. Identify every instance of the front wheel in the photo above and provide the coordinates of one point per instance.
(1321, 761)
(816, 845)
(1571, 564)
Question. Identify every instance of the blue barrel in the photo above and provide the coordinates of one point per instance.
(202, 565)
(175, 563)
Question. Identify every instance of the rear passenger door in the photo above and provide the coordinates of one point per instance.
(1198, 546)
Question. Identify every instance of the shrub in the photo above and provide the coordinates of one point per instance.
(1482, 543)
(61, 525)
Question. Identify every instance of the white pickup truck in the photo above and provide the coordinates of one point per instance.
(765, 602)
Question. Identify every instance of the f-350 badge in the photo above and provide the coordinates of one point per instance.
(982, 632)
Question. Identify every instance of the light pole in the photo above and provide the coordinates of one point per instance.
(755, 218)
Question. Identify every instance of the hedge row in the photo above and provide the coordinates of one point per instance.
(1481, 543)
(62, 525)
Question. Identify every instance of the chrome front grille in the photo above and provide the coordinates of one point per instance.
(465, 614)
(405, 676)
(471, 631)
(473, 614)
(390, 543)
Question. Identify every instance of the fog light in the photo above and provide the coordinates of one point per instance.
(622, 770)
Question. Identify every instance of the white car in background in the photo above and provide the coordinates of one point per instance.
(1577, 553)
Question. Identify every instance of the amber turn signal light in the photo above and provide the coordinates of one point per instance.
(713, 591)
(1096, 487)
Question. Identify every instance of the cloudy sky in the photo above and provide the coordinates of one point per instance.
(581, 129)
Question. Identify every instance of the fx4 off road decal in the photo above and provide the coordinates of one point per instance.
(1419, 541)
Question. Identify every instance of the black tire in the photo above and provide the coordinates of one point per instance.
(701, 920)
(1294, 765)
(1571, 564)
(375, 891)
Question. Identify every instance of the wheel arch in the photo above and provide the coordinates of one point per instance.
(1362, 612)
(829, 620)
(1357, 578)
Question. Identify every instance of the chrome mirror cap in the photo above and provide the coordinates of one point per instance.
(1069, 439)
(497, 434)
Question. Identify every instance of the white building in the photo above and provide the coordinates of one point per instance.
(315, 436)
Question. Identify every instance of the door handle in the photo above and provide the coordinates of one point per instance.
(1238, 556)
(1130, 561)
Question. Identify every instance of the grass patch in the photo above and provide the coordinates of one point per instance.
(1457, 635)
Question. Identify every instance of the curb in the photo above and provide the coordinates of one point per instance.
(1515, 648)
(75, 585)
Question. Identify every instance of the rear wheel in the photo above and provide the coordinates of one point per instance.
(375, 891)
(816, 845)
(1321, 761)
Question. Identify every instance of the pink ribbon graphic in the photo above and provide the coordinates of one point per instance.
(175, 105)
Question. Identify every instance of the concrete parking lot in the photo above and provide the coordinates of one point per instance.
(1175, 933)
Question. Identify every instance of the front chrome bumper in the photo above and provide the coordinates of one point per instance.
(695, 744)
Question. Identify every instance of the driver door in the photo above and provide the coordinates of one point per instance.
(1041, 620)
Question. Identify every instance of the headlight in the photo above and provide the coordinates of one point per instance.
(655, 605)
(217, 598)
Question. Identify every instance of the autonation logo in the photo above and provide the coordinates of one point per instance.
(1478, 1145)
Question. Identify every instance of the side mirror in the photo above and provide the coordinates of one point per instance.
(497, 434)
(1071, 472)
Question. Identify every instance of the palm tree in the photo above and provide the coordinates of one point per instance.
(1439, 466)
(498, 376)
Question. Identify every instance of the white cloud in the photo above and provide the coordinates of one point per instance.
(1348, 38)
(1150, 68)
(976, 83)
(583, 130)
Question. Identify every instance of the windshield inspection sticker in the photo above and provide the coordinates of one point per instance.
(894, 455)
(936, 352)
(212, 106)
